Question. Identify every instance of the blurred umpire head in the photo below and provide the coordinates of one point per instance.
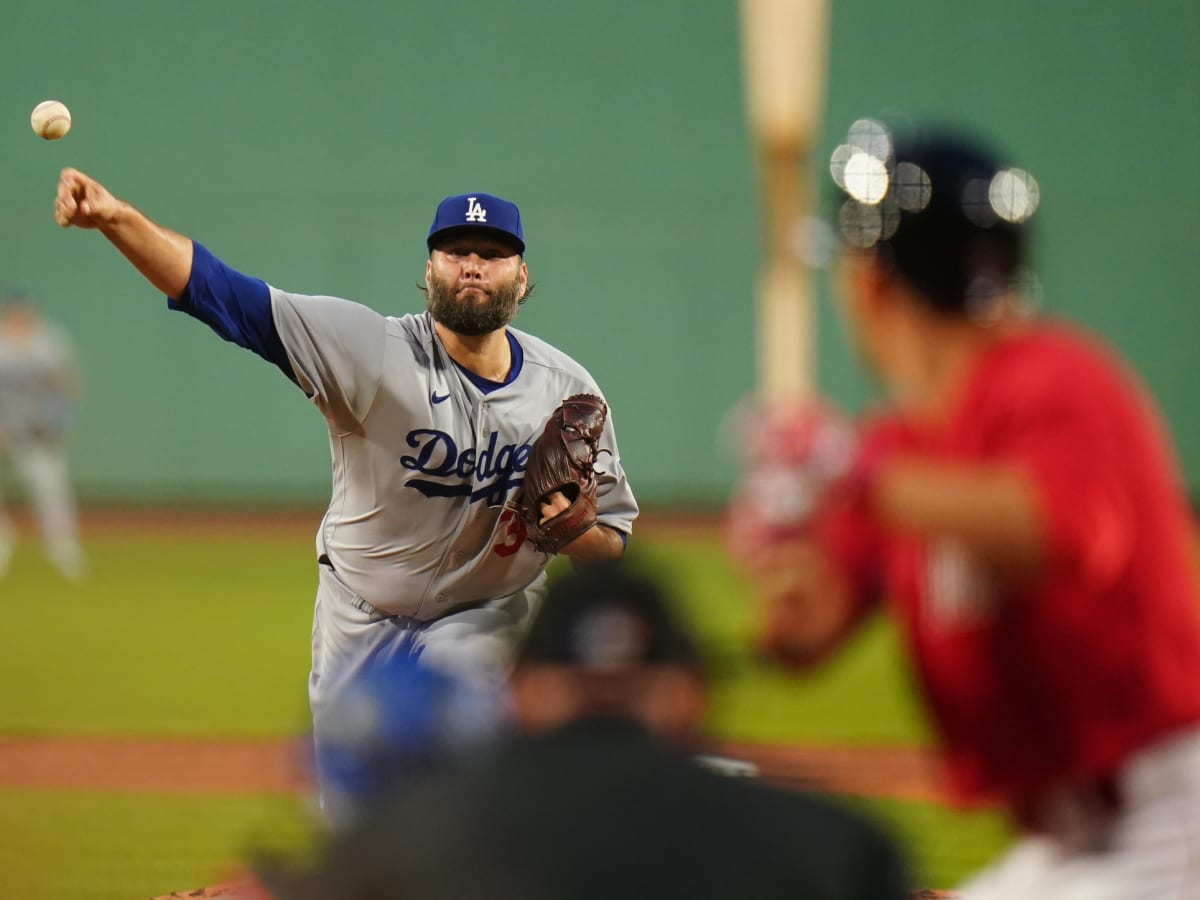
(934, 224)
(609, 643)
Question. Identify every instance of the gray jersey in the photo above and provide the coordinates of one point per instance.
(37, 384)
(423, 460)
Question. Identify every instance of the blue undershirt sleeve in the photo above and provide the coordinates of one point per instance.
(235, 306)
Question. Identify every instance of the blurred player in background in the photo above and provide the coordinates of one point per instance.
(600, 797)
(1018, 506)
(39, 388)
(430, 418)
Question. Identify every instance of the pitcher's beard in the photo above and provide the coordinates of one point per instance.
(473, 315)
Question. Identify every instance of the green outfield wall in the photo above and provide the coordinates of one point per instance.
(307, 144)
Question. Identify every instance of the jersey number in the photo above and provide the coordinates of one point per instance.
(514, 535)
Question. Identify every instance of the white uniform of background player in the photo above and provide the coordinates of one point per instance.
(418, 552)
(39, 385)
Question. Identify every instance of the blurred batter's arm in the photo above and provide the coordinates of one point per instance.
(991, 509)
(162, 256)
(809, 604)
(814, 597)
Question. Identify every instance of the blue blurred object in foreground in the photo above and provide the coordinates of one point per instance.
(399, 720)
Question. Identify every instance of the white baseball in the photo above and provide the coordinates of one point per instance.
(50, 120)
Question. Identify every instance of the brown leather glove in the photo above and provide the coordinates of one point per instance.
(563, 459)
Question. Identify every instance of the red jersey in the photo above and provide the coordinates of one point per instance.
(1060, 681)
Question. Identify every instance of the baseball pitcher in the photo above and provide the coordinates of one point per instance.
(434, 543)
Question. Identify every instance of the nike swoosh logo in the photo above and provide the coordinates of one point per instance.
(436, 399)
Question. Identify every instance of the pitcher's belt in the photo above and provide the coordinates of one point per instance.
(358, 601)
(366, 607)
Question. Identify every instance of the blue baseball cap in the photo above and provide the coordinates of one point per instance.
(477, 210)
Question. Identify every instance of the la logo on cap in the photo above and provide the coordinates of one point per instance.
(475, 212)
(482, 211)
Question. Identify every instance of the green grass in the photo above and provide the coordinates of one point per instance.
(862, 695)
(169, 635)
(943, 845)
(108, 846)
(181, 634)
